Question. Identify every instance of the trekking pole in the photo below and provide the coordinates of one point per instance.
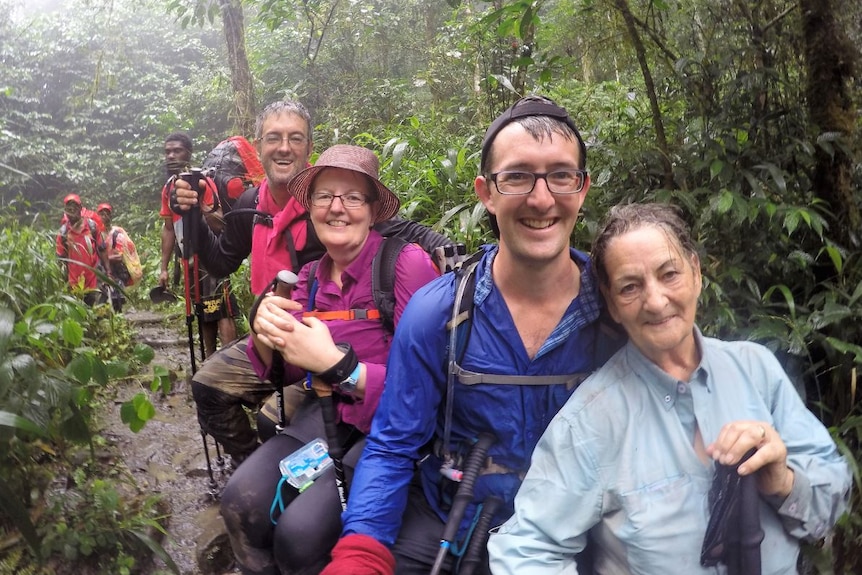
(475, 549)
(193, 178)
(336, 450)
(463, 496)
(189, 221)
(282, 285)
(750, 532)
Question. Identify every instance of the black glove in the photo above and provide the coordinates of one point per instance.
(733, 534)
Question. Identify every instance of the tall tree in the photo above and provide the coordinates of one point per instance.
(832, 60)
(201, 11)
(240, 72)
(658, 124)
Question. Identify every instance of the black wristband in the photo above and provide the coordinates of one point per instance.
(344, 367)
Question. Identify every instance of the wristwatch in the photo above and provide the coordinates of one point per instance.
(348, 384)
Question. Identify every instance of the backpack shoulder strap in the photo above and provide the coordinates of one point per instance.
(459, 334)
(383, 279)
(114, 234)
(94, 231)
(312, 286)
(64, 233)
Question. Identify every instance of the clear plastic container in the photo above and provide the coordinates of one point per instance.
(303, 466)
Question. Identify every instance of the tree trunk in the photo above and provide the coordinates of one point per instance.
(658, 125)
(831, 59)
(240, 73)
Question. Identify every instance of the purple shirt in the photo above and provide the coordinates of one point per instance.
(369, 338)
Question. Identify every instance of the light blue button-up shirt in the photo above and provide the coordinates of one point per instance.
(618, 461)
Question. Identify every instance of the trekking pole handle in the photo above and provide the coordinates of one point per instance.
(190, 218)
(282, 285)
(285, 281)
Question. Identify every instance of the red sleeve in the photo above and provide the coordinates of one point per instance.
(165, 210)
(209, 193)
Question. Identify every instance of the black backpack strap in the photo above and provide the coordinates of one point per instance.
(291, 249)
(94, 231)
(64, 232)
(114, 235)
(459, 335)
(295, 263)
(383, 279)
(312, 285)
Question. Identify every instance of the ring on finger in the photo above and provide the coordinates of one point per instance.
(762, 433)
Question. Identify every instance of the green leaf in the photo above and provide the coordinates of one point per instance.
(857, 293)
(791, 222)
(143, 407)
(100, 374)
(505, 82)
(398, 154)
(81, 369)
(835, 255)
(715, 169)
(788, 297)
(72, 332)
(143, 353)
(526, 23)
(161, 379)
(777, 176)
(17, 422)
(725, 202)
(117, 369)
(847, 347)
(157, 549)
(75, 427)
(128, 412)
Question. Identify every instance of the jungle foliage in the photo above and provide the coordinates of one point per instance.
(745, 114)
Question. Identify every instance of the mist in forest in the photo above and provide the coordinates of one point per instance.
(29, 8)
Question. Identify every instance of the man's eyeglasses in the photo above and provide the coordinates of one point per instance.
(295, 140)
(513, 183)
(325, 199)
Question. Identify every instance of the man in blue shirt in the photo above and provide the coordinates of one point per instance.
(532, 335)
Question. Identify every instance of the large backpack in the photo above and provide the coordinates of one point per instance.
(382, 279)
(234, 167)
(129, 270)
(94, 233)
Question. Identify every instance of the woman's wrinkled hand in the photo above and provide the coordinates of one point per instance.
(769, 461)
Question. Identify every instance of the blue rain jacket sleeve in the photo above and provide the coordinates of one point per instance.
(411, 412)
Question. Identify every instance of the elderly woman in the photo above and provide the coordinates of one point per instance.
(345, 199)
(629, 459)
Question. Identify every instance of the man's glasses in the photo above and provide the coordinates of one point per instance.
(295, 140)
(512, 183)
(325, 199)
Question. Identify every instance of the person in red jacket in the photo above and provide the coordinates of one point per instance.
(81, 249)
(123, 258)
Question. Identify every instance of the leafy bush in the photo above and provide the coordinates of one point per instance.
(96, 527)
(56, 357)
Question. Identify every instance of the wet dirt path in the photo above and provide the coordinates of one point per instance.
(167, 458)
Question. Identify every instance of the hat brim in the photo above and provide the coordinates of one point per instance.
(384, 207)
(160, 294)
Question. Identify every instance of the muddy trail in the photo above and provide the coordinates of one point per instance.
(166, 457)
